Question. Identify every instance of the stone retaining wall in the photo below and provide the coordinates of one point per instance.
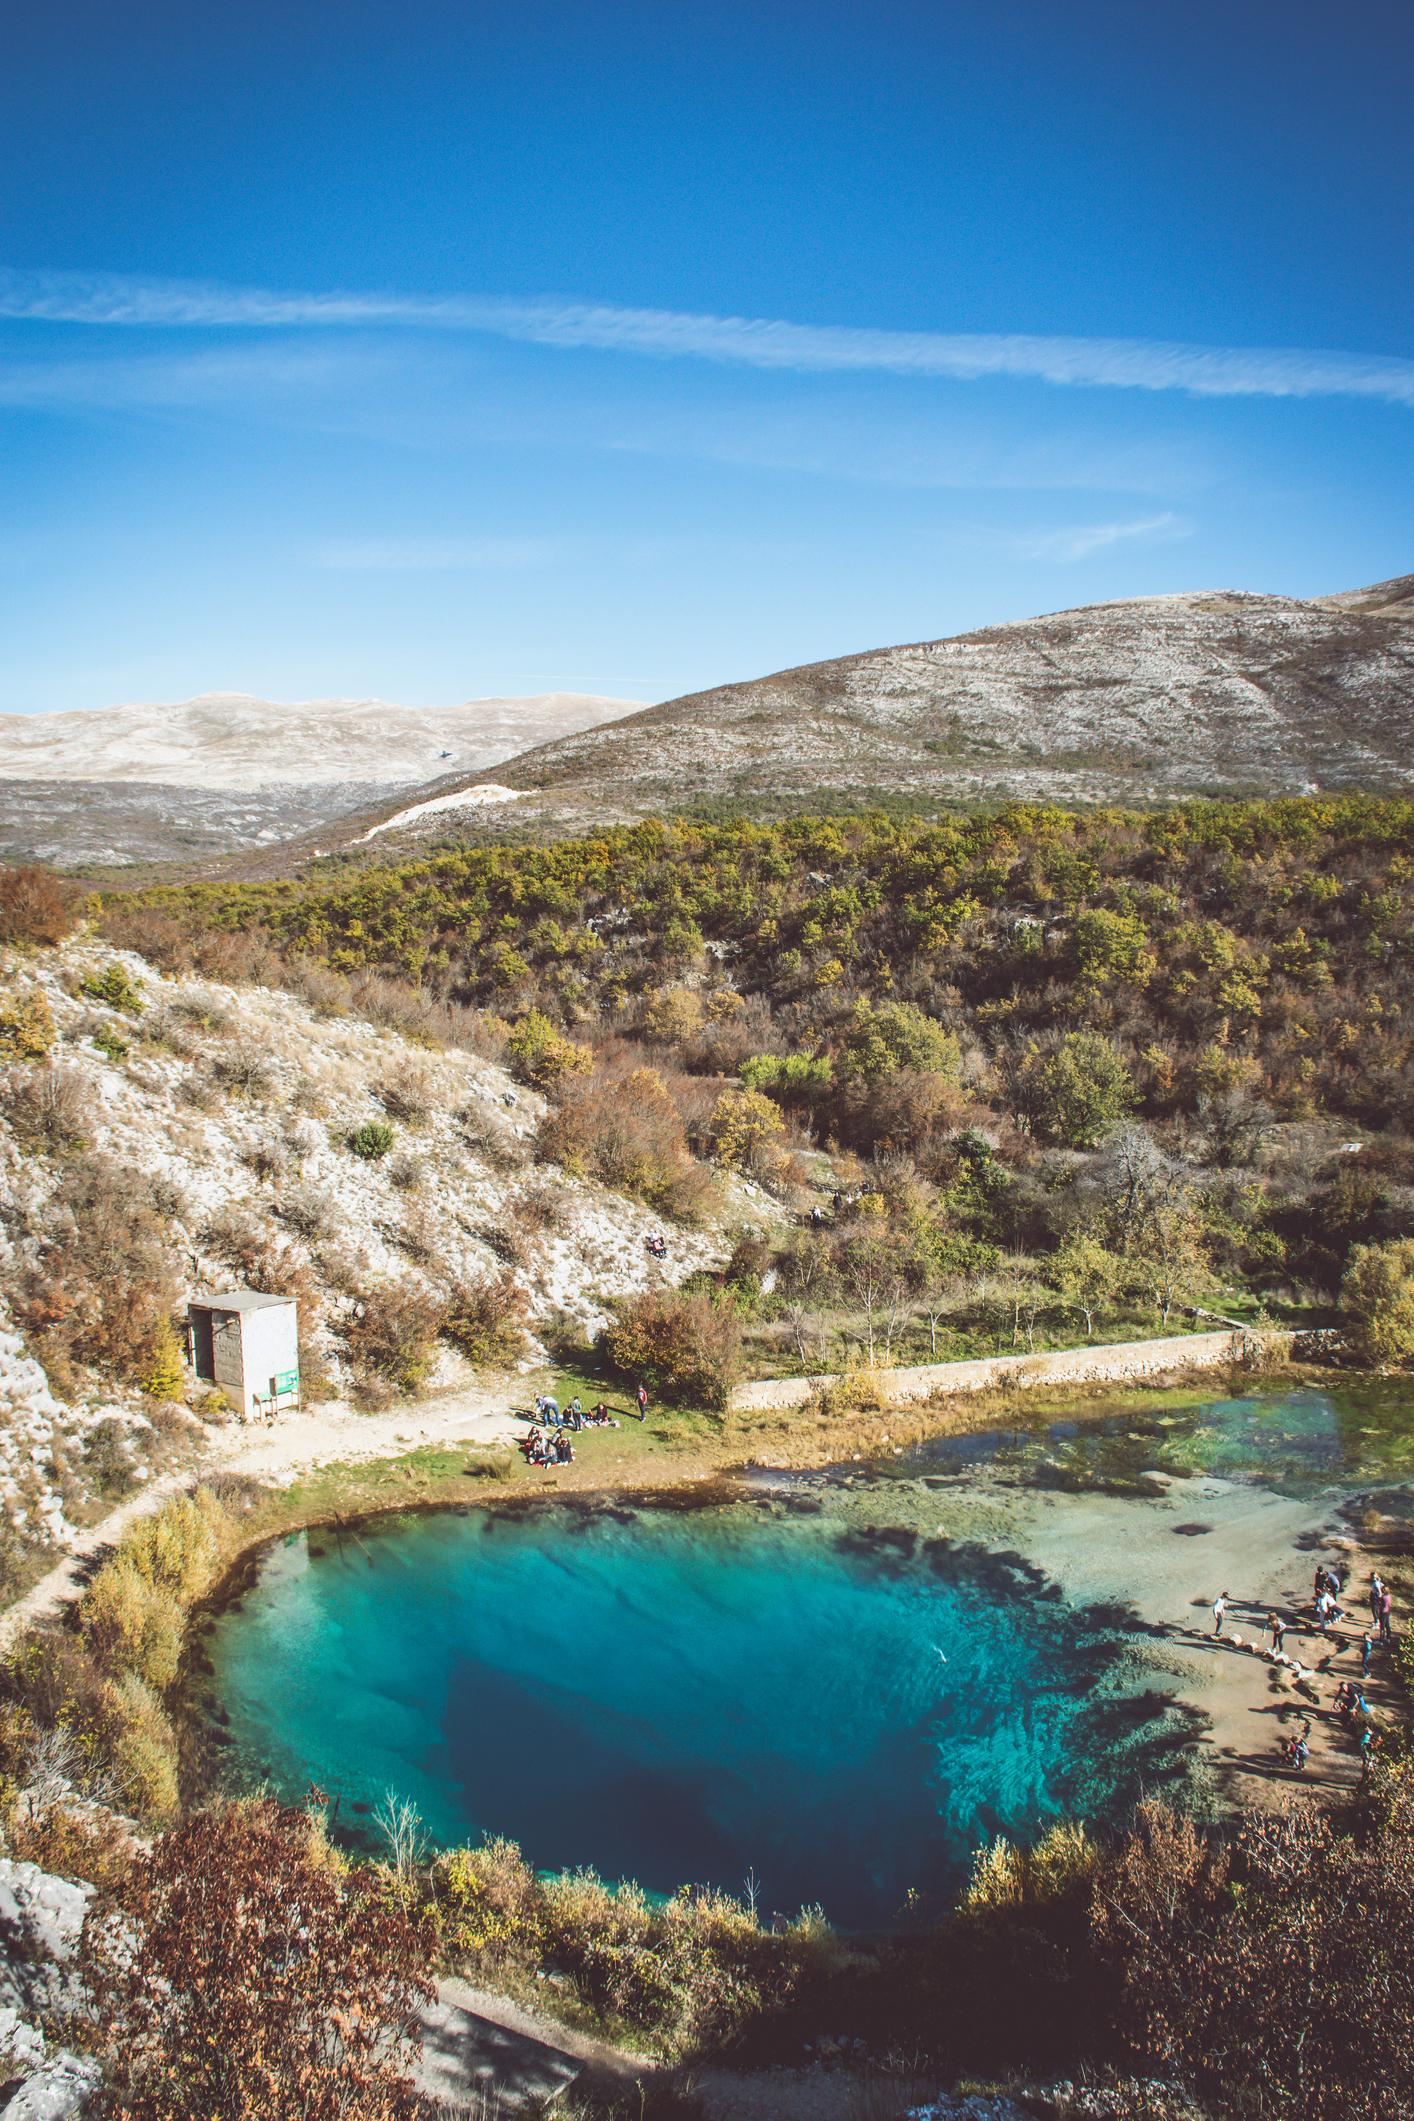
(1127, 1362)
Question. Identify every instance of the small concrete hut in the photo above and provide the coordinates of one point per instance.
(247, 1345)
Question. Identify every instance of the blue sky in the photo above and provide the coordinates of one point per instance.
(431, 350)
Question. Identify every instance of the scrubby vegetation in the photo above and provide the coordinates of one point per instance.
(687, 1973)
(1075, 1072)
(101, 1286)
(107, 1686)
(686, 1348)
(240, 1967)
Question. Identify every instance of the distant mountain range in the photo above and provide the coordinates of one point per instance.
(1134, 702)
(1142, 701)
(224, 770)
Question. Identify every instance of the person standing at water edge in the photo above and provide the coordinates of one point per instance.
(1219, 1612)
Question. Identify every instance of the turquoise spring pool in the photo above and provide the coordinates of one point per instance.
(823, 1684)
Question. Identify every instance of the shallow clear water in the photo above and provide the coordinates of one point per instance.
(1300, 1442)
(826, 1683)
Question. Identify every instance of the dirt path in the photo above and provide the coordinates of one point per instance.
(332, 1435)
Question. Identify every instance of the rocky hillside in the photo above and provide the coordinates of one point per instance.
(222, 771)
(160, 1136)
(1133, 702)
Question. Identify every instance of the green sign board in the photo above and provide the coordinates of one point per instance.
(287, 1381)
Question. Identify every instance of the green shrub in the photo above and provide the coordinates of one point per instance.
(543, 1055)
(115, 987)
(899, 1035)
(1073, 1093)
(372, 1140)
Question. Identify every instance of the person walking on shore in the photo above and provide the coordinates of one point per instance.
(1219, 1612)
(1386, 1609)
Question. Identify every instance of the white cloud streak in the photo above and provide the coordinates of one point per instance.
(1081, 541)
(762, 343)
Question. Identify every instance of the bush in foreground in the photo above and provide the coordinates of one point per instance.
(239, 1970)
(689, 1972)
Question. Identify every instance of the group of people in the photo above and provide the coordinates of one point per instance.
(547, 1409)
(1350, 1702)
(547, 1441)
(542, 1449)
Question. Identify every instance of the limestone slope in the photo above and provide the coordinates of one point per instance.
(1141, 701)
(213, 1126)
(224, 770)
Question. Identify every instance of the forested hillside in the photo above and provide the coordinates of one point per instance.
(1180, 1039)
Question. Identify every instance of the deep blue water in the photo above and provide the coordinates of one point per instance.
(841, 1702)
(681, 1696)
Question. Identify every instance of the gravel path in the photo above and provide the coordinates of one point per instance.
(330, 1435)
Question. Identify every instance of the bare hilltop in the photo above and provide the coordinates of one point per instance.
(1139, 701)
(226, 770)
(1147, 700)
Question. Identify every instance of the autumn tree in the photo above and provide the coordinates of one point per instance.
(745, 1123)
(1073, 1092)
(1225, 1961)
(686, 1347)
(241, 1973)
(1088, 1276)
(1155, 1215)
(1377, 1302)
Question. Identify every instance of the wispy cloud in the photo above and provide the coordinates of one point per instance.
(1081, 541)
(763, 343)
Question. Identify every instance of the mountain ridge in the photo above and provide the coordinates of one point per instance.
(335, 740)
(1134, 700)
(223, 772)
